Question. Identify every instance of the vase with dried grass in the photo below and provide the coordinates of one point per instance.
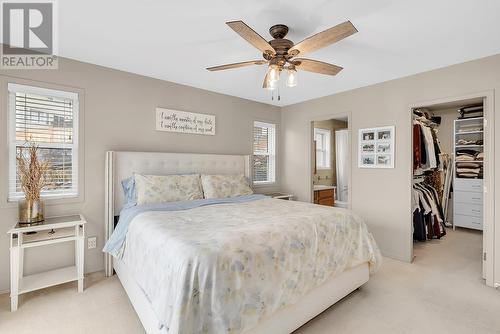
(33, 175)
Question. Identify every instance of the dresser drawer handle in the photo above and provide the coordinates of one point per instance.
(476, 210)
(476, 198)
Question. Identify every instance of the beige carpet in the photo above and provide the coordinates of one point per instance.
(442, 292)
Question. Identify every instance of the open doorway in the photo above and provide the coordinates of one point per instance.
(451, 170)
(331, 161)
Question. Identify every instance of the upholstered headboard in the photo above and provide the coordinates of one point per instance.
(121, 165)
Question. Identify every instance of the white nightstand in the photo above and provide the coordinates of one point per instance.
(51, 231)
(280, 195)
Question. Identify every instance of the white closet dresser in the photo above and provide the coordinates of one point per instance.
(468, 189)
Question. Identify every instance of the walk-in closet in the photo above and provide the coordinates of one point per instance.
(448, 143)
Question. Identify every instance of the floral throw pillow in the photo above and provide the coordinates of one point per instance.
(222, 186)
(167, 188)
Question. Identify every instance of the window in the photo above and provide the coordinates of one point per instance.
(264, 153)
(50, 118)
(323, 148)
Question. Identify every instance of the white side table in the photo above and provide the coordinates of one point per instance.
(51, 231)
(279, 195)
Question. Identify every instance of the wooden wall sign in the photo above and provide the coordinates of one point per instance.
(184, 122)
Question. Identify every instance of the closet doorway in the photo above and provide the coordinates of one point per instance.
(452, 182)
(330, 161)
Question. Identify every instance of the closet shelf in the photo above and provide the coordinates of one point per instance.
(468, 182)
(466, 146)
(468, 132)
(469, 119)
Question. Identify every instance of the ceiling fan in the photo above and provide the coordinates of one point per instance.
(281, 53)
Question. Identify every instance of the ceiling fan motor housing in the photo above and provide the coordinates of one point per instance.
(279, 44)
(278, 31)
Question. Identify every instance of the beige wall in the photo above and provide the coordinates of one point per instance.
(446, 128)
(382, 196)
(119, 114)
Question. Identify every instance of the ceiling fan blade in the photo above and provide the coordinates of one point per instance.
(324, 38)
(236, 65)
(316, 66)
(251, 36)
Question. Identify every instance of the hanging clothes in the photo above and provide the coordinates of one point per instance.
(417, 155)
(430, 148)
(428, 216)
(426, 147)
(430, 165)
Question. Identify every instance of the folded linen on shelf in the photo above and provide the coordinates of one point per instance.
(468, 170)
(469, 142)
(465, 158)
(467, 151)
(470, 129)
(468, 175)
(467, 164)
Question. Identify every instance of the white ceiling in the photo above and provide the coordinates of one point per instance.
(176, 40)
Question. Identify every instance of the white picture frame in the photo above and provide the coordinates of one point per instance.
(376, 147)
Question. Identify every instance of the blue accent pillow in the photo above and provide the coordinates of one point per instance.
(128, 186)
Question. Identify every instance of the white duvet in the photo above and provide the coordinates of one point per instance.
(222, 268)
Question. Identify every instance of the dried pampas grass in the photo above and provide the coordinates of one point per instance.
(33, 174)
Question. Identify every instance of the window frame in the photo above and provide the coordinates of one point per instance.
(12, 142)
(327, 150)
(271, 152)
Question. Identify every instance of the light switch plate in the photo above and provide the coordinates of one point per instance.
(91, 242)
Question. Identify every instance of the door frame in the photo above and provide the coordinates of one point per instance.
(348, 115)
(489, 223)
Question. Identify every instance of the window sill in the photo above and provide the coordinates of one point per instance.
(49, 201)
(263, 184)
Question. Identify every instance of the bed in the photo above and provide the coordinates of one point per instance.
(245, 265)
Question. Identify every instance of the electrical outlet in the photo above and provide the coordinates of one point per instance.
(91, 242)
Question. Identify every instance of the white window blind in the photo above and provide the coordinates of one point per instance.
(323, 148)
(264, 153)
(49, 118)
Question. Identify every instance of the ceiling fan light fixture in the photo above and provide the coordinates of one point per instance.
(274, 73)
(271, 84)
(292, 77)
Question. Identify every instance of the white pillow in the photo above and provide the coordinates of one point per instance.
(221, 186)
(167, 188)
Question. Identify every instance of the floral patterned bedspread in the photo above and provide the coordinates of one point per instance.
(222, 268)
